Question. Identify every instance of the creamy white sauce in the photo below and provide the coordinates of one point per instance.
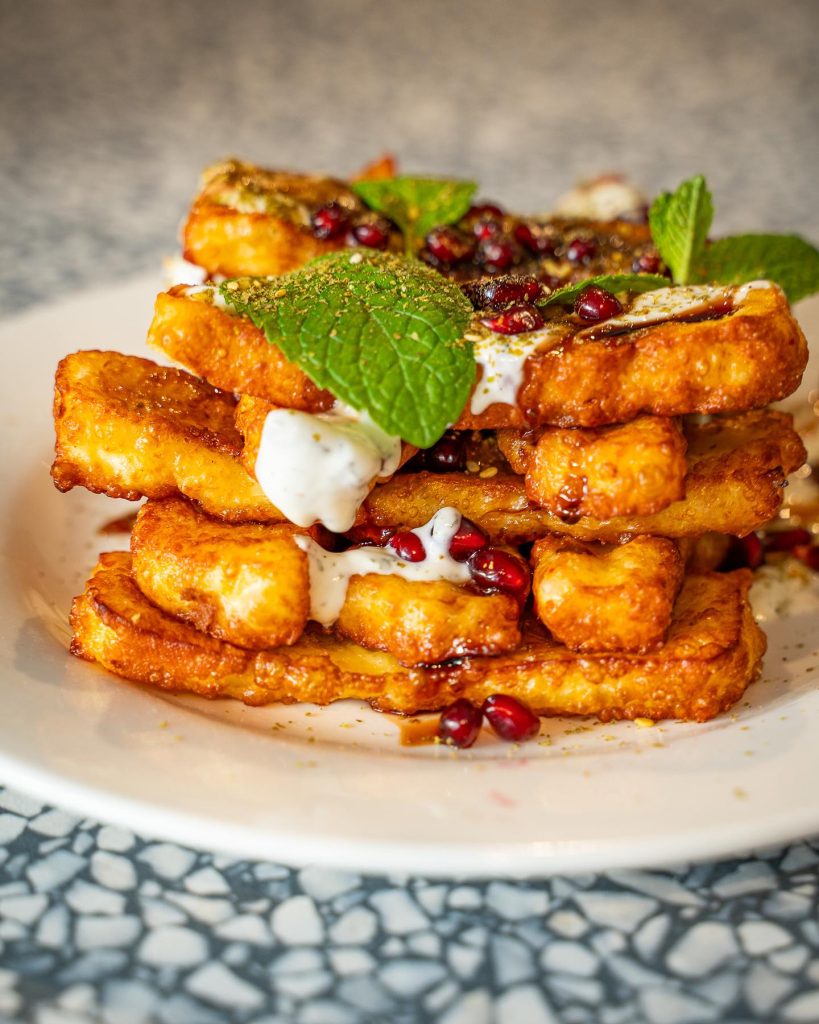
(331, 572)
(786, 587)
(179, 271)
(502, 358)
(318, 468)
(212, 294)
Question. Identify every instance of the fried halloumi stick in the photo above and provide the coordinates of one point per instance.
(246, 583)
(742, 359)
(632, 469)
(247, 220)
(249, 584)
(737, 469)
(593, 597)
(128, 428)
(711, 654)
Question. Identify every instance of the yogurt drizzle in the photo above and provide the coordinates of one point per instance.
(331, 572)
(318, 468)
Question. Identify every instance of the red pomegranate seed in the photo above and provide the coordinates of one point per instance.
(496, 254)
(538, 243)
(498, 570)
(787, 540)
(447, 455)
(811, 558)
(468, 539)
(510, 719)
(501, 292)
(744, 553)
(581, 250)
(515, 320)
(483, 229)
(329, 221)
(373, 234)
(327, 539)
(460, 723)
(408, 545)
(369, 533)
(448, 246)
(484, 211)
(648, 263)
(595, 304)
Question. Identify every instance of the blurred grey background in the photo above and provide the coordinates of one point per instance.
(108, 110)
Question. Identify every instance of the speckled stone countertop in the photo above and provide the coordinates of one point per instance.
(107, 114)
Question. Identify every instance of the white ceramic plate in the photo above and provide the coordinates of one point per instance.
(333, 786)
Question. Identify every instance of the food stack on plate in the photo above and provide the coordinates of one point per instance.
(435, 456)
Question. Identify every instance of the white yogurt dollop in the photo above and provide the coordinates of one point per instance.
(331, 572)
(318, 468)
(502, 359)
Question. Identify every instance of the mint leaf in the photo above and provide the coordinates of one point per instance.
(383, 333)
(679, 225)
(788, 260)
(417, 205)
(611, 282)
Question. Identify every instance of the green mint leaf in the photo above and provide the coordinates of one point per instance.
(679, 225)
(611, 282)
(384, 334)
(417, 205)
(788, 260)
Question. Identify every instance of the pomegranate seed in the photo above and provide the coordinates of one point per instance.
(468, 539)
(498, 570)
(503, 291)
(329, 221)
(581, 250)
(515, 320)
(499, 292)
(811, 558)
(595, 304)
(447, 456)
(485, 211)
(744, 553)
(327, 539)
(648, 263)
(538, 243)
(373, 234)
(511, 719)
(448, 245)
(408, 545)
(787, 540)
(369, 534)
(496, 254)
(483, 229)
(460, 723)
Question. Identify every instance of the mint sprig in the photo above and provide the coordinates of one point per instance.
(614, 283)
(787, 259)
(679, 226)
(384, 334)
(417, 205)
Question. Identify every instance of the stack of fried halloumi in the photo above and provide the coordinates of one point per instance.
(624, 445)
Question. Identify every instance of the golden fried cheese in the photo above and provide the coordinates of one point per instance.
(596, 597)
(129, 428)
(632, 469)
(736, 471)
(751, 353)
(247, 220)
(248, 583)
(711, 654)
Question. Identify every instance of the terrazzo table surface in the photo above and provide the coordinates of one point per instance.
(107, 114)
